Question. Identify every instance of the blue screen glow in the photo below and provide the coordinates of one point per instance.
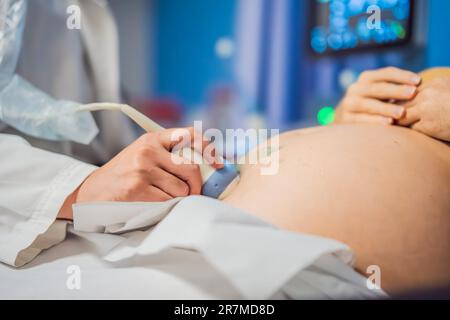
(341, 25)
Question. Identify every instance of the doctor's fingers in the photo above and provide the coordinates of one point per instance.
(154, 194)
(391, 74)
(170, 184)
(376, 107)
(188, 137)
(383, 91)
(183, 169)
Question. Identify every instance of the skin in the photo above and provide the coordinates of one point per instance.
(429, 112)
(394, 96)
(372, 98)
(144, 171)
(383, 191)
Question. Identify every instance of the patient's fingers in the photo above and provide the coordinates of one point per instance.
(376, 107)
(168, 183)
(384, 91)
(408, 104)
(412, 117)
(368, 118)
(391, 74)
(420, 126)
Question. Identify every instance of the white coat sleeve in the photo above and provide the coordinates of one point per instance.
(33, 187)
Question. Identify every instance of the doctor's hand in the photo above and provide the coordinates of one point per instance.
(429, 112)
(372, 98)
(145, 171)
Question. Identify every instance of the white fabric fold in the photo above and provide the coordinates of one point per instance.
(119, 217)
(31, 196)
(257, 258)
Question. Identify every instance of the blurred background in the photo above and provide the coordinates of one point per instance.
(280, 64)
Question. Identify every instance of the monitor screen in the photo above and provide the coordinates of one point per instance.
(344, 25)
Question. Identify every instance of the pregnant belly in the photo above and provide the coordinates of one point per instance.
(384, 191)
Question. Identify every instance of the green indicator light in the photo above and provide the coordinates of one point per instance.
(326, 116)
(399, 30)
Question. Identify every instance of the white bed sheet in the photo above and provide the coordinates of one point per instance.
(201, 249)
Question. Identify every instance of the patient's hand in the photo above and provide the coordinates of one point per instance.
(429, 112)
(144, 171)
(371, 98)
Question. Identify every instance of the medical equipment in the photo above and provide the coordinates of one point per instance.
(23, 106)
(359, 24)
(216, 183)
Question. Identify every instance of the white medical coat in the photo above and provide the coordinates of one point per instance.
(33, 186)
(81, 65)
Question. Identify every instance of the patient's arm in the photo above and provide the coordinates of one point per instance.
(384, 191)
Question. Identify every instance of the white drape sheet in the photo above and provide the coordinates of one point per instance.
(193, 248)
